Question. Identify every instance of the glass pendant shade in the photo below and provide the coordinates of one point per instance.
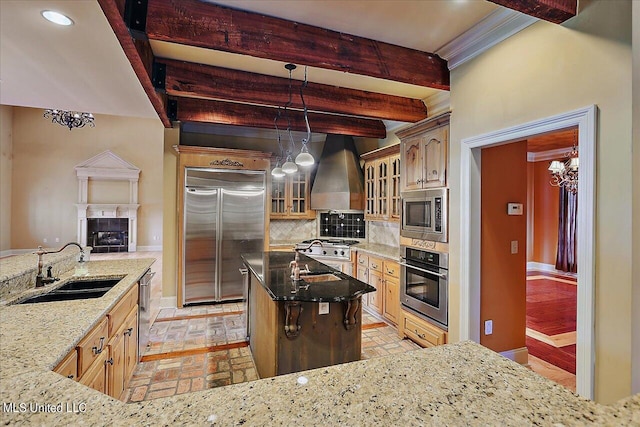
(289, 166)
(277, 172)
(304, 158)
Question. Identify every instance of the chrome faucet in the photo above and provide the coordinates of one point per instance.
(295, 269)
(40, 279)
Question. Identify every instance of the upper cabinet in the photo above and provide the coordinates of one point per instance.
(290, 196)
(382, 184)
(424, 154)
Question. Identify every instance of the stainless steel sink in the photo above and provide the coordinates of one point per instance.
(74, 290)
(320, 278)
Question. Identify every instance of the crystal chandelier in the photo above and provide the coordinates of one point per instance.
(70, 119)
(304, 158)
(565, 174)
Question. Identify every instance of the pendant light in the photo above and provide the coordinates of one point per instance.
(289, 167)
(305, 158)
(277, 171)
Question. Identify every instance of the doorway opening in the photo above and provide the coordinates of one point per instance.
(470, 230)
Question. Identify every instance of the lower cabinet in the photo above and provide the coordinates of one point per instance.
(107, 356)
(420, 331)
(384, 275)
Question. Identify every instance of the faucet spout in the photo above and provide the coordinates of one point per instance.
(40, 279)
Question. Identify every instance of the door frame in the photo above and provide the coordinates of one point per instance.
(470, 161)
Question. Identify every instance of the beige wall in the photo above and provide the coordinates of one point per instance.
(169, 226)
(636, 199)
(6, 166)
(44, 183)
(543, 71)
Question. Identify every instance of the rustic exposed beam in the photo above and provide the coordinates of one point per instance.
(203, 81)
(556, 11)
(138, 52)
(229, 113)
(206, 25)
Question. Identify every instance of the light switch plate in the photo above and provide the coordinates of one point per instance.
(323, 308)
(514, 209)
(514, 247)
(488, 327)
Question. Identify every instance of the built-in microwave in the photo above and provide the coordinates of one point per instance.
(424, 214)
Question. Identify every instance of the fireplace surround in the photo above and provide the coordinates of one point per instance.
(114, 235)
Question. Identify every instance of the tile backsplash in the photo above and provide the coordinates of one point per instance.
(294, 230)
(345, 225)
(384, 233)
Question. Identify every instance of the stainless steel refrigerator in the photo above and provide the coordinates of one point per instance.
(224, 217)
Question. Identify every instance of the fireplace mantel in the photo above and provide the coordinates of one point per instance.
(108, 166)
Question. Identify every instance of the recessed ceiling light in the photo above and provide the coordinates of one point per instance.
(56, 17)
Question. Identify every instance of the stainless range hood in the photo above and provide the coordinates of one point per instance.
(339, 182)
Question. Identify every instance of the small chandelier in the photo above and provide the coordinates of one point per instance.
(304, 158)
(565, 174)
(70, 119)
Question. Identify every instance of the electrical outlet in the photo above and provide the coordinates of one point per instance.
(57, 240)
(514, 247)
(323, 308)
(488, 327)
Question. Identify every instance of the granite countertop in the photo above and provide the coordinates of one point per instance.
(455, 384)
(386, 251)
(274, 273)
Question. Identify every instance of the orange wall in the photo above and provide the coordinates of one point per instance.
(503, 277)
(545, 215)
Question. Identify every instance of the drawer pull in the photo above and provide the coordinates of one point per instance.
(374, 265)
(421, 336)
(70, 377)
(109, 361)
(391, 272)
(128, 331)
(97, 350)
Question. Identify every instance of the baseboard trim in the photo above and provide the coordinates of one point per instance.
(149, 248)
(548, 268)
(168, 302)
(518, 355)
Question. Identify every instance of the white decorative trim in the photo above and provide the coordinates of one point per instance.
(150, 248)
(586, 120)
(438, 103)
(495, 27)
(558, 153)
(548, 268)
(518, 355)
(107, 166)
(168, 302)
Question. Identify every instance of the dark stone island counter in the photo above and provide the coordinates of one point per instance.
(274, 273)
(298, 325)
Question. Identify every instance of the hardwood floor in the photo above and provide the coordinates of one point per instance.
(551, 326)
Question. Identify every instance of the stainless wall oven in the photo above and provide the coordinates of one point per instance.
(424, 284)
(424, 214)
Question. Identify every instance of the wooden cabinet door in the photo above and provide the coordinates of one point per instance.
(278, 197)
(298, 200)
(394, 187)
(69, 366)
(391, 299)
(382, 188)
(115, 365)
(362, 274)
(411, 162)
(376, 298)
(96, 376)
(434, 155)
(370, 190)
(131, 356)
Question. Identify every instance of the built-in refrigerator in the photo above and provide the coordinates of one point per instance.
(224, 217)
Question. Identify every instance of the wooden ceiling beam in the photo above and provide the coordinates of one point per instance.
(206, 25)
(138, 52)
(229, 113)
(556, 11)
(203, 81)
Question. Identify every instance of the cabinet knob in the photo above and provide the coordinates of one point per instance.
(128, 331)
(109, 361)
(70, 377)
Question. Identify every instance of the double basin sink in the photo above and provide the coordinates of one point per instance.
(76, 289)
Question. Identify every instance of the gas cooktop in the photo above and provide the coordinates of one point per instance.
(341, 242)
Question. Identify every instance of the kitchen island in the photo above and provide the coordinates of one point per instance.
(294, 325)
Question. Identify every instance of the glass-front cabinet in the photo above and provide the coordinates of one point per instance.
(382, 184)
(290, 196)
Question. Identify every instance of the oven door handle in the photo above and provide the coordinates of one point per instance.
(441, 275)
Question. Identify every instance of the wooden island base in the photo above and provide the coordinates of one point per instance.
(291, 336)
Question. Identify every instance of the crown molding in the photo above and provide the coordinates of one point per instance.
(548, 155)
(495, 27)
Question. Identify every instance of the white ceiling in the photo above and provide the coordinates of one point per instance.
(83, 67)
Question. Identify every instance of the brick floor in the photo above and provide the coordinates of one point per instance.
(197, 329)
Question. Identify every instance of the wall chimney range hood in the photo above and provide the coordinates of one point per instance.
(339, 182)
